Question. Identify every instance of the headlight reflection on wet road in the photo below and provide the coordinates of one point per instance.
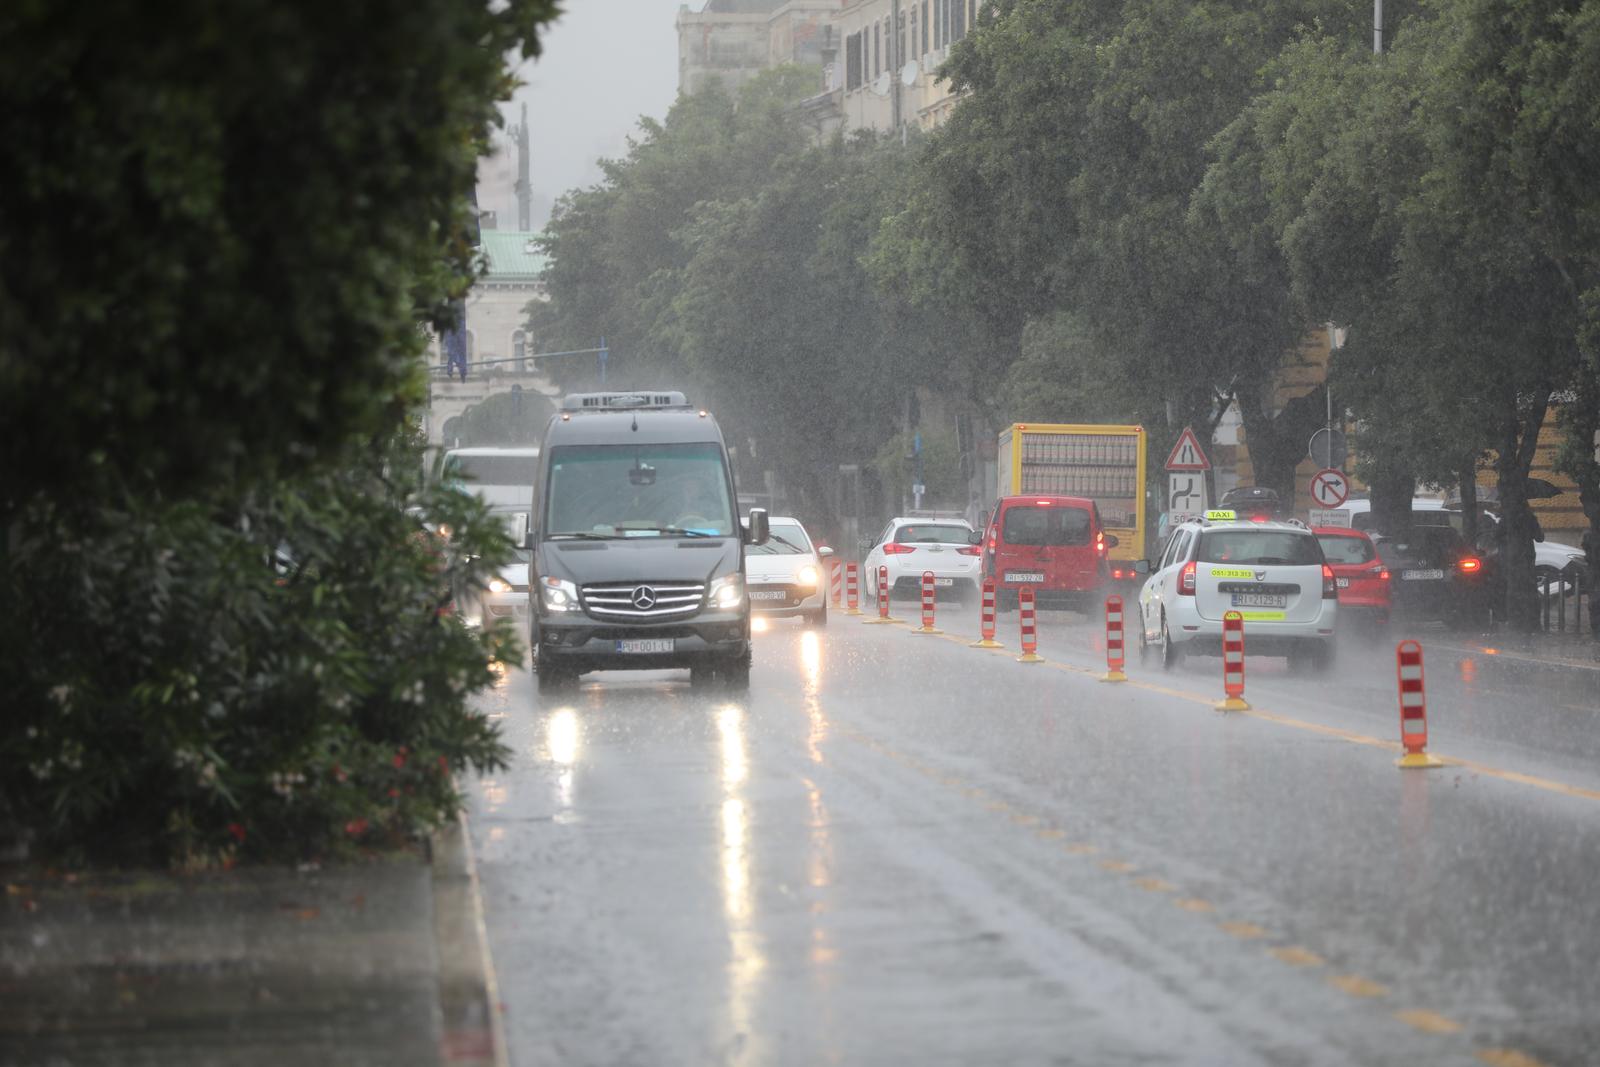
(561, 740)
(746, 957)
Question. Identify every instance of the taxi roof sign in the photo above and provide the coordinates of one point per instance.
(1221, 515)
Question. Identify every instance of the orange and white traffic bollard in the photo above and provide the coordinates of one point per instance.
(1115, 660)
(986, 618)
(1030, 632)
(835, 581)
(883, 597)
(1413, 707)
(1233, 662)
(852, 588)
(928, 605)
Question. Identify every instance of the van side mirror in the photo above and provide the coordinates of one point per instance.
(1141, 566)
(975, 537)
(519, 529)
(758, 530)
(1112, 541)
(823, 551)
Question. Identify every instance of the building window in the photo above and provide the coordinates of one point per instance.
(852, 62)
(958, 19)
(877, 51)
(938, 24)
(924, 27)
(902, 49)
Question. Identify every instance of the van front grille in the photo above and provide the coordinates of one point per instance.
(644, 600)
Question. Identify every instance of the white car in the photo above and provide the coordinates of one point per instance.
(1273, 573)
(503, 476)
(908, 546)
(505, 595)
(784, 577)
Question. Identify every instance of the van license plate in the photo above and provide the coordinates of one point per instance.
(944, 581)
(1024, 576)
(654, 644)
(1259, 600)
(1421, 576)
(768, 594)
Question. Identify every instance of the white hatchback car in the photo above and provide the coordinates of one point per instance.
(1272, 573)
(950, 548)
(784, 576)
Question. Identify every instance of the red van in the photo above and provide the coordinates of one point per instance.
(1054, 544)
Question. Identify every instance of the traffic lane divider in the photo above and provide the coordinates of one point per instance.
(1492, 771)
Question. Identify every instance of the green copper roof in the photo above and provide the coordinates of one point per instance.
(512, 255)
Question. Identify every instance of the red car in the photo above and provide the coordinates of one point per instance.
(1054, 544)
(1362, 577)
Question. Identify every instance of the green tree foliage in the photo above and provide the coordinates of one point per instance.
(219, 224)
(226, 630)
(502, 419)
(270, 674)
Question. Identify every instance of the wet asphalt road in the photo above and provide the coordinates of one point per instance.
(899, 849)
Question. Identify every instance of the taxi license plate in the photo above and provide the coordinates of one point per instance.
(1023, 576)
(767, 594)
(1343, 583)
(1421, 576)
(1260, 600)
(647, 645)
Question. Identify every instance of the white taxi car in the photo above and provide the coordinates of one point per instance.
(1272, 573)
(784, 576)
(909, 546)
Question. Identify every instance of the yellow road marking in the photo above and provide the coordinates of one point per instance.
(1082, 849)
(1488, 771)
(1023, 819)
(1194, 904)
(1052, 834)
(1428, 1022)
(1156, 885)
(1244, 931)
(1117, 866)
(998, 805)
(1297, 956)
(1357, 986)
(1505, 1057)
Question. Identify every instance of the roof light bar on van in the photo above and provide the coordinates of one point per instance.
(624, 401)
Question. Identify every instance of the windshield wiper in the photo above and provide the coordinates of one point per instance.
(669, 531)
(584, 535)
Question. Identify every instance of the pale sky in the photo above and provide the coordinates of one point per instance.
(605, 63)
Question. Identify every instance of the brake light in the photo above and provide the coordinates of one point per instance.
(1469, 564)
(1260, 518)
(1383, 575)
(1186, 579)
(895, 548)
(969, 550)
(1330, 587)
(991, 540)
(1100, 542)
(1118, 573)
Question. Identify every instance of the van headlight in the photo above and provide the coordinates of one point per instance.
(728, 592)
(499, 585)
(557, 594)
(808, 575)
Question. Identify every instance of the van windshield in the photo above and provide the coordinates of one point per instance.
(648, 490)
(491, 470)
(1030, 525)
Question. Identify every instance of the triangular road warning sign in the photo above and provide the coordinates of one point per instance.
(1187, 455)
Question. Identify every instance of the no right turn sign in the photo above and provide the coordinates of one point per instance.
(1329, 488)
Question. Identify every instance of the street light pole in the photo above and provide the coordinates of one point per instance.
(1377, 27)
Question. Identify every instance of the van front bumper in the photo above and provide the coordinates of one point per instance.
(582, 644)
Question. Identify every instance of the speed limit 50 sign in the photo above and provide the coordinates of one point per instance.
(1329, 488)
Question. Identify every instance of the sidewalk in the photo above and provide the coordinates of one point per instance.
(255, 966)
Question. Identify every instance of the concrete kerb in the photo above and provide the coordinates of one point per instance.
(472, 1031)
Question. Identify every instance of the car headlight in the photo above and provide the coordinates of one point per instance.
(808, 576)
(727, 592)
(558, 594)
(499, 585)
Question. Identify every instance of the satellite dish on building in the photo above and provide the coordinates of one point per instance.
(880, 85)
(833, 73)
(908, 73)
